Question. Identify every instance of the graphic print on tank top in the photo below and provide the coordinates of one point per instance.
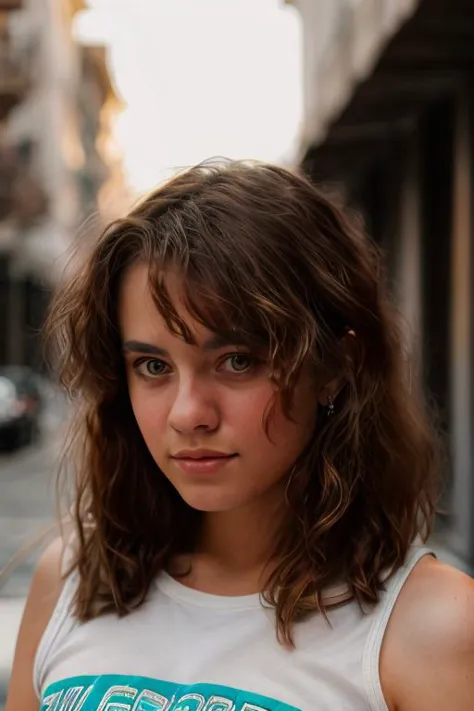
(136, 693)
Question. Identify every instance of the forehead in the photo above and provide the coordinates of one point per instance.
(137, 309)
(140, 319)
(135, 284)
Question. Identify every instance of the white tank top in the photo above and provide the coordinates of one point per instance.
(185, 650)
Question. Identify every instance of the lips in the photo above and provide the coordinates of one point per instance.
(201, 454)
(202, 461)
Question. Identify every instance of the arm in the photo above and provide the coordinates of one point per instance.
(42, 598)
(427, 661)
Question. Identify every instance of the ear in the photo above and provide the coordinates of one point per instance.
(331, 389)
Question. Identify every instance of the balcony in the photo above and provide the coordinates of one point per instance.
(11, 5)
(8, 174)
(14, 77)
(22, 198)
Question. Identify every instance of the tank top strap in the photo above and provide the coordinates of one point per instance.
(371, 659)
(61, 623)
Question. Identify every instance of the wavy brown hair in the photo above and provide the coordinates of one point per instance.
(263, 251)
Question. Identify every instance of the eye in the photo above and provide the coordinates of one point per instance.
(151, 368)
(239, 362)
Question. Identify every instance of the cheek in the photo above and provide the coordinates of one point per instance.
(246, 415)
(245, 411)
(290, 434)
(294, 433)
(149, 411)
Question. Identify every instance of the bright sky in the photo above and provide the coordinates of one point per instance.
(200, 78)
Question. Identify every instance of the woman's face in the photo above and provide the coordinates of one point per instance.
(200, 408)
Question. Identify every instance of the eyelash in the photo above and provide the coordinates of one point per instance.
(253, 363)
(146, 361)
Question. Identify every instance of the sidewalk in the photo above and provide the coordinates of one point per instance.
(11, 611)
(26, 508)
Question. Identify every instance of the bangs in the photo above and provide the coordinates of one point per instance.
(236, 308)
(221, 307)
(242, 276)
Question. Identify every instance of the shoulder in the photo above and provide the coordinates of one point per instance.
(45, 587)
(427, 659)
(48, 573)
(44, 592)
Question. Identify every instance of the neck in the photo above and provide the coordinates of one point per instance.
(238, 540)
(235, 552)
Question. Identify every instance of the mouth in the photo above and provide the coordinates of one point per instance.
(202, 461)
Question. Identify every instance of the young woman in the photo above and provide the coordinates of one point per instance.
(254, 477)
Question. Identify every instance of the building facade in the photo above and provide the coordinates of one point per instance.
(15, 75)
(52, 137)
(389, 117)
(104, 192)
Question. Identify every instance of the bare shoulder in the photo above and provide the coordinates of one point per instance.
(44, 593)
(427, 659)
(47, 577)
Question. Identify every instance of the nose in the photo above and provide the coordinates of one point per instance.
(194, 407)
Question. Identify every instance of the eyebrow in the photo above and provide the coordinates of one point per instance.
(139, 347)
(222, 341)
(213, 344)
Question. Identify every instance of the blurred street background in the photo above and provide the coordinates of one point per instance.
(102, 99)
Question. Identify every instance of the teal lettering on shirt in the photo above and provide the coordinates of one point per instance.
(112, 692)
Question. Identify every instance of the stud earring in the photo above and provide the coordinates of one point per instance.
(330, 407)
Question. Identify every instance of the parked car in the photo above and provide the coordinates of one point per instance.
(20, 406)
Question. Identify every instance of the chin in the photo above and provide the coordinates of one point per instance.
(210, 502)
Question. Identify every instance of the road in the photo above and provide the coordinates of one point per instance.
(27, 508)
